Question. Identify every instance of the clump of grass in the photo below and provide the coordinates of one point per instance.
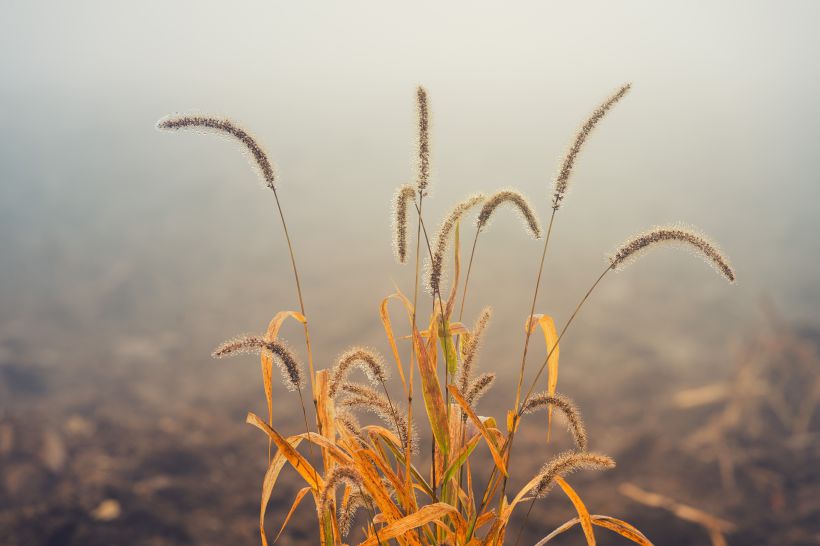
(377, 464)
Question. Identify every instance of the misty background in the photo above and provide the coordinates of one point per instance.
(127, 254)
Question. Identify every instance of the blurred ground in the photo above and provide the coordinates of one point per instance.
(140, 457)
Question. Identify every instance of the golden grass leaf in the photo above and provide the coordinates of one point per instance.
(451, 300)
(460, 458)
(431, 391)
(267, 359)
(384, 313)
(613, 524)
(551, 341)
(488, 437)
(268, 483)
(296, 502)
(425, 515)
(580, 507)
(295, 458)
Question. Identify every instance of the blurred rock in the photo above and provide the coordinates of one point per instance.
(108, 510)
(53, 452)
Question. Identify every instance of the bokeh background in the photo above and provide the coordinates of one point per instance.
(127, 254)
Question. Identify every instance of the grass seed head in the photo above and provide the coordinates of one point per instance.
(471, 349)
(565, 405)
(443, 239)
(636, 246)
(366, 359)
(562, 180)
(338, 475)
(282, 355)
(479, 388)
(515, 199)
(226, 127)
(566, 463)
(404, 196)
(423, 143)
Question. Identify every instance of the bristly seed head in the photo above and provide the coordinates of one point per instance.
(338, 474)
(635, 246)
(404, 196)
(562, 180)
(443, 238)
(363, 397)
(367, 360)
(566, 463)
(516, 200)
(282, 355)
(479, 388)
(229, 128)
(471, 350)
(423, 144)
(354, 502)
(574, 421)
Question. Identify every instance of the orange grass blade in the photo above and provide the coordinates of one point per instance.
(384, 313)
(425, 515)
(461, 458)
(299, 496)
(295, 458)
(613, 524)
(268, 483)
(431, 390)
(267, 359)
(490, 439)
(451, 300)
(583, 513)
(550, 340)
(622, 528)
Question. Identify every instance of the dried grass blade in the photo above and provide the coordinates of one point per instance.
(268, 483)
(431, 390)
(299, 496)
(460, 458)
(622, 528)
(425, 515)
(551, 341)
(267, 359)
(384, 313)
(295, 458)
(580, 507)
(490, 439)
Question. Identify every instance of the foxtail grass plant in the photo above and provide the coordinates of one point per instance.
(376, 468)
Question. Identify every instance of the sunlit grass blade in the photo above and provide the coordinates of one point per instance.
(423, 516)
(302, 466)
(431, 391)
(580, 507)
(490, 439)
(299, 496)
(547, 326)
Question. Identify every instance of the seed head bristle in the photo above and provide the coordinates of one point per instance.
(404, 196)
(338, 475)
(226, 127)
(423, 144)
(443, 239)
(282, 355)
(471, 349)
(566, 463)
(562, 180)
(637, 245)
(366, 359)
(355, 502)
(574, 422)
(515, 199)
(479, 387)
(363, 397)
(347, 421)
